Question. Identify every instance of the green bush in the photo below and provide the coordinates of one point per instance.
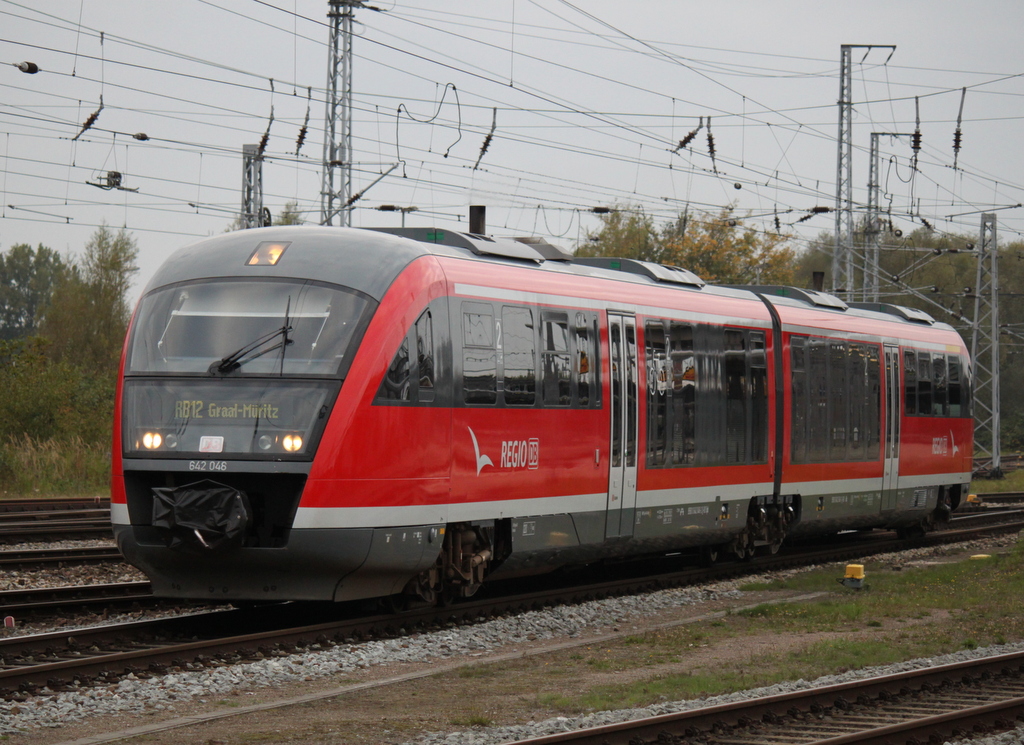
(55, 423)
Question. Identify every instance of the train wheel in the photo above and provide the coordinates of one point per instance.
(395, 603)
(743, 547)
(708, 556)
(447, 595)
(912, 531)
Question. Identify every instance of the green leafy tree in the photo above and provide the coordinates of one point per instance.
(289, 215)
(720, 248)
(27, 278)
(723, 250)
(47, 400)
(626, 233)
(88, 315)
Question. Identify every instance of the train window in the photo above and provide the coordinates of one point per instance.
(873, 408)
(587, 391)
(479, 355)
(818, 414)
(859, 412)
(632, 384)
(838, 398)
(615, 350)
(910, 382)
(801, 399)
(425, 356)
(935, 384)
(671, 394)
(758, 399)
(407, 379)
(683, 410)
(736, 394)
(924, 384)
(658, 386)
(395, 386)
(939, 385)
(520, 356)
(557, 367)
(966, 389)
(955, 406)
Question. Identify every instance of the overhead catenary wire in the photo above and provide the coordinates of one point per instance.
(757, 172)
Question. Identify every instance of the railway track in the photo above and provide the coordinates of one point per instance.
(50, 601)
(41, 557)
(1002, 497)
(104, 654)
(921, 706)
(24, 520)
(1007, 462)
(14, 506)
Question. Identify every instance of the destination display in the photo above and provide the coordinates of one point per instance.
(251, 419)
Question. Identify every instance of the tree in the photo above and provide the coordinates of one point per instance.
(290, 214)
(627, 233)
(46, 400)
(27, 278)
(88, 314)
(719, 249)
(722, 250)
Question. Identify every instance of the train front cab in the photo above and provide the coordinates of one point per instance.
(220, 487)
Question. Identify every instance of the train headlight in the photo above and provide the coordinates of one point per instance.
(152, 440)
(171, 441)
(292, 443)
(265, 442)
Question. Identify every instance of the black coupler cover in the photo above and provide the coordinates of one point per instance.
(203, 515)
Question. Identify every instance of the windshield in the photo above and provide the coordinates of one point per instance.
(268, 327)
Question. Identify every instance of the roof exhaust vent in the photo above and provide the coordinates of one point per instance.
(478, 219)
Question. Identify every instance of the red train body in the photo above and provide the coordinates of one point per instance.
(330, 414)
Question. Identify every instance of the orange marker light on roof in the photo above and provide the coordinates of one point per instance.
(267, 253)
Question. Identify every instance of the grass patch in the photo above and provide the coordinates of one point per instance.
(1011, 481)
(471, 720)
(69, 467)
(478, 671)
(916, 612)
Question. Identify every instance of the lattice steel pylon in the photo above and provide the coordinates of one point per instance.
(842, 254)
(871, 226)
(252, 187)
(843, 278)
(336, 189)
(985, 349)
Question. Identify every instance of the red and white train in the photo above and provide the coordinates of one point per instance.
(325, 413)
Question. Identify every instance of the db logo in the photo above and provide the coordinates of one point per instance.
(520, 454)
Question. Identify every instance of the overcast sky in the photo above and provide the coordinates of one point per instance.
(588, 101)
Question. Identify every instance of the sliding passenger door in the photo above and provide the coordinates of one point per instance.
(624, 412)
(891, 449)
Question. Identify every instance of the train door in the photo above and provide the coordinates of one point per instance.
(893, 409)
(624, 403)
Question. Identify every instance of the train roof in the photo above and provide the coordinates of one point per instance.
(369, 260)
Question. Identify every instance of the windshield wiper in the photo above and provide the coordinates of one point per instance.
(255, 349)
